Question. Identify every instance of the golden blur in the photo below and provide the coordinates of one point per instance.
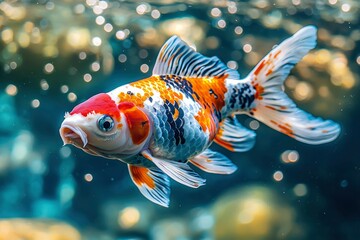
(253, 213)
(128, 217)
(333, 62)
(26, 229)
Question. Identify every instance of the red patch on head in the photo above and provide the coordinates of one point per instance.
(100, 103)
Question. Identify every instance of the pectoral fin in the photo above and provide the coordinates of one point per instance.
(213, 162)
(234, 137)
(180, 172)
(152, 183)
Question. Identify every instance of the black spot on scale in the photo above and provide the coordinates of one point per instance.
(241, 97)
(233, 97)
(177, 126)
(150, 99)
(180, 84)
(130, 93)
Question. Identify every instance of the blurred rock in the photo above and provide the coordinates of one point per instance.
(170, 229)
(28, 229)
(129, 215)
(253, 213)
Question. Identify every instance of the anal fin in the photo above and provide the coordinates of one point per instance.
(152, 183)
(213, 162)
(179, 171)
(234, 137)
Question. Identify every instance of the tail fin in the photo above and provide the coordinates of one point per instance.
(272, 105)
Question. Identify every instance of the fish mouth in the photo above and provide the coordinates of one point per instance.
(73, 135)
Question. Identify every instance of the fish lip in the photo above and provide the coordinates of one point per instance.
(70, 134)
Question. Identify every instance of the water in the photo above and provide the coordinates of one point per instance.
(55, 54)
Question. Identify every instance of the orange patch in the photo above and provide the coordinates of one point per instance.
(148, 85)
(224, 144)
(284, 128)
(270, 71)
(211, 92)
(138, 122)
(140, 176)
(202, 86)
(206, 122)
(259, 91)
(221, 142)
(176, 114)
(277, 54)
(267, 62)
(271, 107)
(260, 67)
(197, 164)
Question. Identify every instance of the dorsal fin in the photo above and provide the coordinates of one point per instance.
(177, 58)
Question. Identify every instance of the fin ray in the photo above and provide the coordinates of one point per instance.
(176, 57)
(152, 183)
(178, 171)
(213, 162)
(234, 137)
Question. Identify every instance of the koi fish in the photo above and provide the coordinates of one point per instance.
(158, 125)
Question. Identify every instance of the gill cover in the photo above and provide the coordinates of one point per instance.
(137, 121)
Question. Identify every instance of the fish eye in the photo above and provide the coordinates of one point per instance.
(105, 123)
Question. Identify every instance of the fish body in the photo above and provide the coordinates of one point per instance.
(185, 112)
(160, 124)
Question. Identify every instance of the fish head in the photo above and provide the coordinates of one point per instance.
(101, 127)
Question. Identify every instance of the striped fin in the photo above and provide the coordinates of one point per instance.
(152, 183)
(213, 162)
(234, 137)
(177, 58)
(273, 107)
(180, 172)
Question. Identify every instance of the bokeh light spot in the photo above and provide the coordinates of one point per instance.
(122, 58)
(247, 48)
(72, 97)
(300, 190)
(128, 217)
(35, 103)
(44, 85)
(11, 90)
(95, 66)
(87, 77)
(238, 30)
(278, 176)
(254, 124)
(100, 20)
(155, 14)
(144, 68)
(64, 88)
(215, 12)
(88, 177)
(49, 68)
(96, 41)
(232, 65)
(221, 23)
